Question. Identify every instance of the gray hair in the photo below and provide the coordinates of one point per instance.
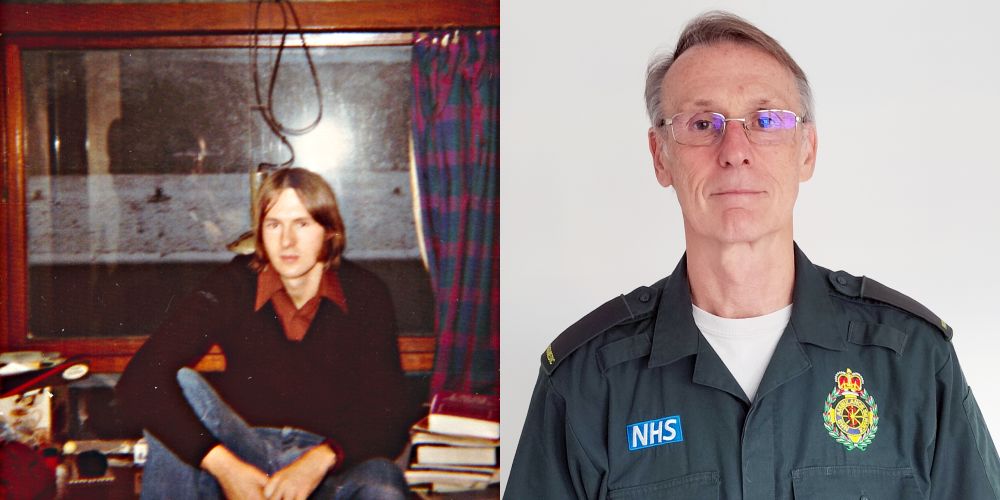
(713, 27)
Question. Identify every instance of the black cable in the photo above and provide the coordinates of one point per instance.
(267, 109)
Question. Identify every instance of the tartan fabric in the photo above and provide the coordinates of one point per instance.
(456, 118)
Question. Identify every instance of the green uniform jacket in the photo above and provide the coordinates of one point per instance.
(863, 398)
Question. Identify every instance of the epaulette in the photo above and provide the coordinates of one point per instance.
(636, 305)
(867, 288)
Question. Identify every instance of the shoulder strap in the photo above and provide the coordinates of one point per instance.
(867, 288)
(636, 304)
(871, 289)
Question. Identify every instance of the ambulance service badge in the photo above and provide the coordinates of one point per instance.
(850, 414)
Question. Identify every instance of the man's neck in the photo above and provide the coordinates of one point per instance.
(741, 280)
(305, 287)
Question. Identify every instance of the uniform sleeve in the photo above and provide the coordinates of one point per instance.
(965, 463)
(148, 390)
(550, 462)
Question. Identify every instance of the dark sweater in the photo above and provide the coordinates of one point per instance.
(342, 381)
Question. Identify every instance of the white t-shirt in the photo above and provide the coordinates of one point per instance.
(745, 345)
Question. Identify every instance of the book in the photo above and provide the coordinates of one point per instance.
(455, 488)
(464, 455)
(434, 491)
(450, 440)
(482, 469)
(456, 446)
(450, 477)
(421, 434)
(463, 414)
(447, 482)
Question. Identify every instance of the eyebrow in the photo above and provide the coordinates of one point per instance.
(764, 103)
(297, 219)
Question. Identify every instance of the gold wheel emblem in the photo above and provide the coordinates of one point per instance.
(850, 414)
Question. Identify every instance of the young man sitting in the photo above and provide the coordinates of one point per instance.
(309, 401)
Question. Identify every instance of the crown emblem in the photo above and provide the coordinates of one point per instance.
(849, 381)
(850, 414)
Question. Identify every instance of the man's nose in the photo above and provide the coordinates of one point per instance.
(287, 237)
(734, 145)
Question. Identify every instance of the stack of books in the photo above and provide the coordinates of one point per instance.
(457, 447)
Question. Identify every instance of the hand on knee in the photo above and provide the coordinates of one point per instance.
(301, 477)
(237, 478)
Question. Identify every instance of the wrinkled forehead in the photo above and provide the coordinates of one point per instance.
(730, 78)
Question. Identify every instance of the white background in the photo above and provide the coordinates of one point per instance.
(907, 183)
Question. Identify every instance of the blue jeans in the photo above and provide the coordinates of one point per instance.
(269, 449)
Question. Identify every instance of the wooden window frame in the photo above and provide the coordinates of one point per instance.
(214, 25)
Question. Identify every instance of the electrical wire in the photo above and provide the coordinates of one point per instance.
(266, 108)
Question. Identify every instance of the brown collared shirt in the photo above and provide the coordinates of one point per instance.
(296, 321)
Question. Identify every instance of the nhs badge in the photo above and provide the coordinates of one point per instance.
(654, 433)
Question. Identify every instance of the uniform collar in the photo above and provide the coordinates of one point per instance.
(814, 318)
(674, 334)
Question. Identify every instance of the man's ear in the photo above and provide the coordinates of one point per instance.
(807, 154)
(657, 148)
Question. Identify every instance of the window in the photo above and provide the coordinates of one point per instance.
(138, 173)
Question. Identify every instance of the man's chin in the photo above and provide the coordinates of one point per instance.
(289, 273)
(736, 234)
(295, 271)
(731, 227)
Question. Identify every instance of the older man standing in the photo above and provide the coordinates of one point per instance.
(749, 372)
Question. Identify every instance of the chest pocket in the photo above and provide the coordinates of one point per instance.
(855, 482)
(699, 486)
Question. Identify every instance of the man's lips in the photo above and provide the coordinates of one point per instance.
(737, 192)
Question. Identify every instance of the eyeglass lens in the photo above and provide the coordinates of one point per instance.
(769, 126)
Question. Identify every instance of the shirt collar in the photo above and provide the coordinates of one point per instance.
(269, 283)
(814, 318)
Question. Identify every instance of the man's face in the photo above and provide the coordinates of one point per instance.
(734, 190)
(293, 240)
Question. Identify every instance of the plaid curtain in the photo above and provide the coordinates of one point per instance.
(456, 118)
